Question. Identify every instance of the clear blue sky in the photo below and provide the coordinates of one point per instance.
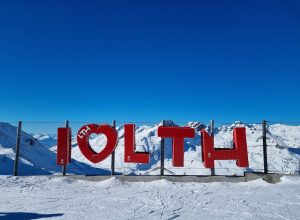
(150, 60)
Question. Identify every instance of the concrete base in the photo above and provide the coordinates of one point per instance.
(271, 178)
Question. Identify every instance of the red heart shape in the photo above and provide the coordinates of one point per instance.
(83, 141)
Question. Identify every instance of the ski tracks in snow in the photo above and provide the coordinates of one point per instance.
(115, 199)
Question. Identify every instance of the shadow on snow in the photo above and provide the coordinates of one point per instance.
(26, 215)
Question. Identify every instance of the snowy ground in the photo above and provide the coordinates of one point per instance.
(65, 198)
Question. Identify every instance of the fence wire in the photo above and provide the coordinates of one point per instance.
(50, 127)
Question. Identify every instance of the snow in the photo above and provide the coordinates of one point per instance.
(38, 152)
(46, 139)
(283, 150)
(35, 158)
(55, 197)
(66, 198)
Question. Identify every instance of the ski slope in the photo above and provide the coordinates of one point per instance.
(65, 198)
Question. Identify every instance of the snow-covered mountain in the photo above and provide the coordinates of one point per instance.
(35, 158)
(38, 152)
(283, 150)
(46, 139)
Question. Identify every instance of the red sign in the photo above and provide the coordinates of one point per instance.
(83, 141)
(63, 146)
(178, 134)
(131, 156)
(238, 153)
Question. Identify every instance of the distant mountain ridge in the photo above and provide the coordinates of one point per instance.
(283, 149)
(38, 152)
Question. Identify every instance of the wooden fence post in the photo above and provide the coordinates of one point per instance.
(211, 128)
(265, 153)
(64, 168)
(18, 143)
(113, 154)
(162, 153)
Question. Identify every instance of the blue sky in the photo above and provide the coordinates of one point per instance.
(149, 60)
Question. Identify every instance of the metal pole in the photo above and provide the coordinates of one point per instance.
(162, 154)
(211, 128)
(113, 154)
(64, 168)
(264, 137)
(16, 164)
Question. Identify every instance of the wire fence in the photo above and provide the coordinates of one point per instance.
(155, 122)
(43, 135)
